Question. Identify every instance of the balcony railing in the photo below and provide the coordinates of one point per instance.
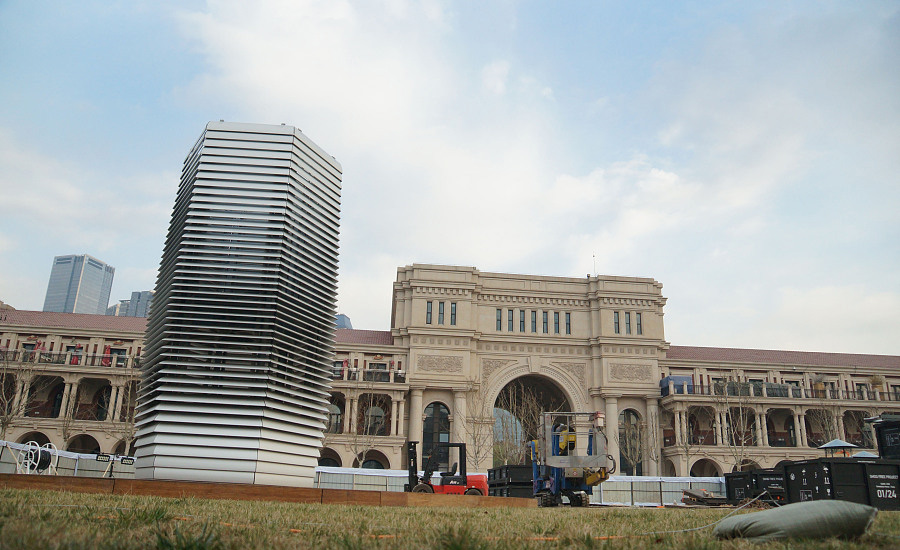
(70, 358)
(770, 390)
(369, 375)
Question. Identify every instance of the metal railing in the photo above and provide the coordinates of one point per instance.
(369, 375)
(70, 358)
(771, 390)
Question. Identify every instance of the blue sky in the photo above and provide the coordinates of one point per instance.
(744, 154)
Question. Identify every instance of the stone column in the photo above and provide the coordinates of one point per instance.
(726, 432)
(717, 422)
(392, 430)
(345, 422)
(401, 404)
(354, 404)
(111, 406)
(796, 428)
(612, 428)
(764, 430)
(839, 419)
(64, 404)
(679, 436)
(415, 415)
(120, 400)
(459, 415)
(803, 441)
(655, 437)
(19, 405)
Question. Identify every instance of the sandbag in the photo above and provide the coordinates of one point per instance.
(811, 519)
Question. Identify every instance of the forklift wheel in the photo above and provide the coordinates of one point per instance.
(474, 492)
(423, 488)
(547, 500)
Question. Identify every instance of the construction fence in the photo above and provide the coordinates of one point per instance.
(14, 459)
(618, 490)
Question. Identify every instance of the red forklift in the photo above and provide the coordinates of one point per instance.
(452, 483)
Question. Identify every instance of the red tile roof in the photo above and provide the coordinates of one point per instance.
(18, 317)
(23, 318)
(778, 357)
(373, 337)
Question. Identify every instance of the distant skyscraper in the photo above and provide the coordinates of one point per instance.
(240, 337)
(79, 284)
(118, 310)
(137, 306)
(342, 321)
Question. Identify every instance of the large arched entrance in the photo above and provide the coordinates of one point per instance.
(517, 413)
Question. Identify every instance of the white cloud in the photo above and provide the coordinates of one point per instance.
(494, 76)
(821, 318)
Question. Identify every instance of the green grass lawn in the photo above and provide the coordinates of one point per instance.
(46, 519)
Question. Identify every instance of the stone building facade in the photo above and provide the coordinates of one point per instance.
(459, 336)
(69, 379)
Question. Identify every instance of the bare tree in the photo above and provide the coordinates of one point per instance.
(857, 429)
(823, 424)
(653, 448)
(733, 397)
(123, 426)
(517, 420)
(478, 426)
(20, 382)
(370, 423)
(632, 438)
(690, 440)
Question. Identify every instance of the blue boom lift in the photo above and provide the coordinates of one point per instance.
(569, 458)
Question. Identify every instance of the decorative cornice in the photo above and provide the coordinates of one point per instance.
(538, 300)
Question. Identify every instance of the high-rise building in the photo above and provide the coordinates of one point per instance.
(240, 337)
(137, 306)
(79, 284)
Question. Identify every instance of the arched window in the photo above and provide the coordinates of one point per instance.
(372, 464)
(330, 462)
(436, 430)
(632, 435)
(335, 420)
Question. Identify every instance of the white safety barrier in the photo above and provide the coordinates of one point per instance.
(66, 463)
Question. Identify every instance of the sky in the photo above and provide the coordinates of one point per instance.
(744, 154)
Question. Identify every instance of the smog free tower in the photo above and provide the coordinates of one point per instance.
(240, 337)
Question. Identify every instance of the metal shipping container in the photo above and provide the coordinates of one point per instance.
(887, 433)
(866, 481)
(752, 483)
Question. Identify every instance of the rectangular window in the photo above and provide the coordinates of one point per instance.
(452, 313)
(521, 320)
(510, 321)
(568, 323)
(616, 322)
(627, 323)
(440, 313)
(556, 322)
(534, 321)
(637, 320)
(545, 321)
(427, 313)
(499, 319)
